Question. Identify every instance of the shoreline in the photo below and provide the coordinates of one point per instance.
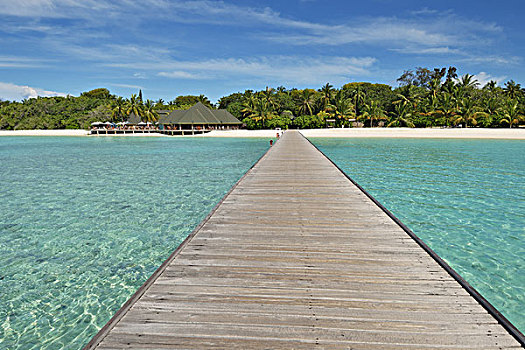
(442, 133)
(448, 133)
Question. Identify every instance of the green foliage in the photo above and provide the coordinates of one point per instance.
(100, 93)
(252, 124)
(306, 100)
(279, 121)
(310, 121)
(54, 113)
(425, 98)
(511, 114)
(191, 100)
(235, 109)
(225, 101)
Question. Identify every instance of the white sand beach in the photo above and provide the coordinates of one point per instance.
(458, 133)
(470, 133)
(473, 133)
(68, 132)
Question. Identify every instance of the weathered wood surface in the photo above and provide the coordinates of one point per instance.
(297, 257)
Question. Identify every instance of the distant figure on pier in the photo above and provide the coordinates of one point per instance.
(271, 143)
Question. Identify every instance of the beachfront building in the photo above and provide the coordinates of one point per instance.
(199, 117)
(133, 119)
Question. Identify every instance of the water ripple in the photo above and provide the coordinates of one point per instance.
(85, 221)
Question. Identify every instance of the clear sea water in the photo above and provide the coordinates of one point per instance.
(464, 198)
(85, 221)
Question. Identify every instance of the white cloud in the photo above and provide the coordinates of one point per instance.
(287, 69)
(437, 30)
(93, 37)
(12, 92)
(127, 86)
(179, 74)
(112, 52)
(440, 29)
(499, 60)
(20, 62)
(26, 7)
(424, 32)
(440, 50)
(55, 8)
(425, 11)
(483, 78)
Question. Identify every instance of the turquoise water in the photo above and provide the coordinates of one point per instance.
(85, 221)
(464, 198)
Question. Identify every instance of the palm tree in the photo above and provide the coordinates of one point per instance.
(150, 114)
(359, 97)
(262, 112)
(306, 103)
(204, 100)
(341, 107)
(491, 109)
(118, 109)
(512, 90)
(326, 92)
(434, 87)
(468, 112)
(248, 103)
(268, 95)
(373, 110)
(466, 83)
(447, 108)
(401, 116)
(491, 86)
(449, 83)
(135, 106)
(511, 113)
(408, 94)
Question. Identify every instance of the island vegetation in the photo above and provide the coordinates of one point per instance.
(424, 98)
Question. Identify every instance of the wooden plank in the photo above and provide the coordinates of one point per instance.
(297, 256)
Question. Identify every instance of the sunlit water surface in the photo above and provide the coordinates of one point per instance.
(464, 198)
(85, 221)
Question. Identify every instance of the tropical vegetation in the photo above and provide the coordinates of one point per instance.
(424, 98)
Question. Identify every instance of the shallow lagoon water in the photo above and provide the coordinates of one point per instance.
(85, 221)
(464, 198)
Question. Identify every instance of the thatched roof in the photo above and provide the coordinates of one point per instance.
(227, 117)
(134, 119)
(200, 114)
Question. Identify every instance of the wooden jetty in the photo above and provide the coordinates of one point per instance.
(296, 256)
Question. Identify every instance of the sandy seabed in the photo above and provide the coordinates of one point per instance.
(471, 133)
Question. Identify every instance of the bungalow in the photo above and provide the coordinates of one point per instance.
(199, 117)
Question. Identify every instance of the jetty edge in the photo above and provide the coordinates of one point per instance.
(142, 289)
(294, 269)
(509, 326)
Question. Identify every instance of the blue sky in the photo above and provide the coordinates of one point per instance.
(169, 48)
